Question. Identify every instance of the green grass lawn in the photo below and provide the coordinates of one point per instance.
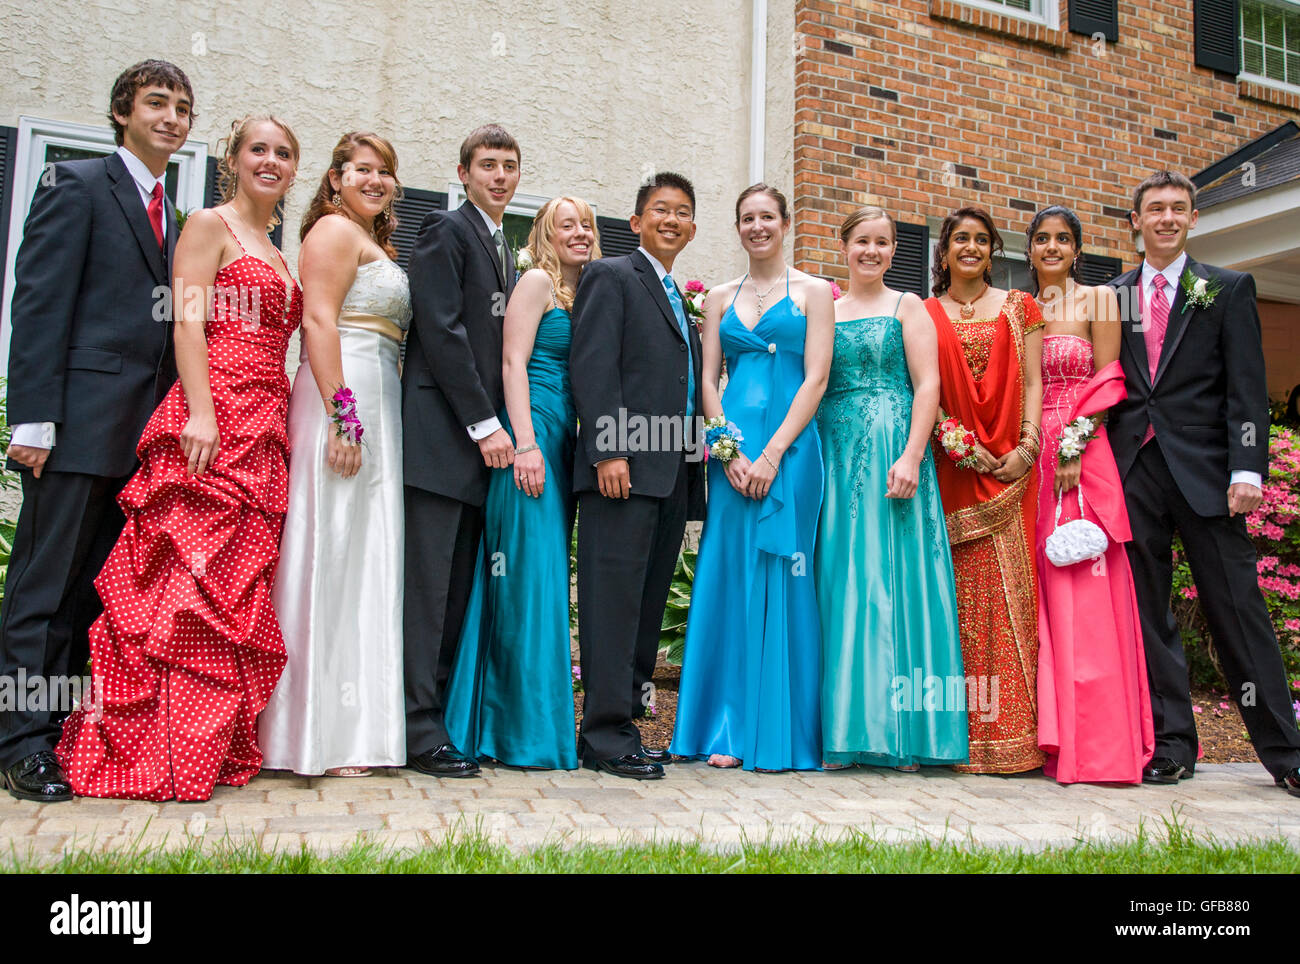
(1173, 851)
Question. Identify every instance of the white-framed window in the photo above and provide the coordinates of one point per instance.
(519, 213)
(1270, 42)
(1010, 268)
(42, 142)
(1045, 12)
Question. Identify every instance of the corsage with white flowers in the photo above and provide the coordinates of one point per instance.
(957, 441)
(1074, 438)
(722, 439)
(1198, 292)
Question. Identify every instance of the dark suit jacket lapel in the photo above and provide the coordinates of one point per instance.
(1178, 319)
(173, 233)
(128, 197)
(650, 278)
(475, 220)
(1134, 336)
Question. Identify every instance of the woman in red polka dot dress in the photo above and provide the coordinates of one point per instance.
(188, 650)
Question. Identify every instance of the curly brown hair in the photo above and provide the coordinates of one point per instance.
(322, 203)
(145, 74)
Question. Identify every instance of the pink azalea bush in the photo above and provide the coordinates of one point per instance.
(1275, 529)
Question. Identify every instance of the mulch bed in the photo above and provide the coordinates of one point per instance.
(1219, 725)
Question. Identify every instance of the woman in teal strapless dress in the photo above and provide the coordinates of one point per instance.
(750, 677)
(510, 696)
(893, 690)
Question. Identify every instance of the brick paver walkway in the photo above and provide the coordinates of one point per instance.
(522, 809)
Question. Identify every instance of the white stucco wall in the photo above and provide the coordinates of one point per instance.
(597, 94)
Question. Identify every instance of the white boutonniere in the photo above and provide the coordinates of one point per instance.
(1198, 292)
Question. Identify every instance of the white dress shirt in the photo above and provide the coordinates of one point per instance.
(40, 435)
(1173, 273)
(481, 430)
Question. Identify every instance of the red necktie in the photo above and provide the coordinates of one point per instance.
(1157, 322)
(155, 210)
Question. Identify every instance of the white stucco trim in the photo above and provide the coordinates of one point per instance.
(1251, 233)
(526, 204)
(35, 134)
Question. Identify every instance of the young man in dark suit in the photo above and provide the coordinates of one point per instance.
(462, 273)
(90, 359)
(1191, 441)
(635, 363)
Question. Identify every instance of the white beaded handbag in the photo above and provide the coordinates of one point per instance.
(1075, 541)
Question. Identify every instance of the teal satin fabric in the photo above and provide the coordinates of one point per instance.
(510, 696)
(893, 691)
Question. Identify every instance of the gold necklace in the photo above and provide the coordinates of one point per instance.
(967, 308)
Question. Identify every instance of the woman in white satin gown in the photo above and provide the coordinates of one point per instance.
(338, 708)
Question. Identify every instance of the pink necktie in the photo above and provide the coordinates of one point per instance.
(155, 210)
(1157, 322)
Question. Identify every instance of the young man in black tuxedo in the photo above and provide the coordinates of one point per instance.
(635, 356)
(90, 359)
(462, 273)
(1191, 441)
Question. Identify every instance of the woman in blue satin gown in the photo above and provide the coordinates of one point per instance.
(510, 696)
(893, 690)
(752, 670)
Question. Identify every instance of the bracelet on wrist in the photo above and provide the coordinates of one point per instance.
(526, 448)
(767, 458)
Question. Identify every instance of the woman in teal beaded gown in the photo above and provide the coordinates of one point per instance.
(749, 688)
(893, 691)
(510, 695)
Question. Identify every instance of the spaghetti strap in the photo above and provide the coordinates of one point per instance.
(555, 302)
(898, 302)
(738, 287)
(787, 282)
(236, 237)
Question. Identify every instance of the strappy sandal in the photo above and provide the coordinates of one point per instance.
(719, 757)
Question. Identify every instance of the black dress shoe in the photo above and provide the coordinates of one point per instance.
(443, 761)
(1290, 781)
(661, 757)
(632, 766)
(1161, 769)
(38, 777)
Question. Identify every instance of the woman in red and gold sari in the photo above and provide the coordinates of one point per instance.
(990, 403)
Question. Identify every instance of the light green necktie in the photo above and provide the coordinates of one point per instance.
(500, 239)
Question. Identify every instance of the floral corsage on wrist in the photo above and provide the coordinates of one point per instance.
(1074, 438)
(956, 440)
(1198, 292)
(721, 439)
(346, 424)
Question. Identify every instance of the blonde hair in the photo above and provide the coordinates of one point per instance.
(229, 147)
(542, 251)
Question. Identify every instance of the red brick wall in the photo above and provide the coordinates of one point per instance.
(886, 93)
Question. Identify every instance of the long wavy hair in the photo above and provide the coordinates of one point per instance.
(227, 181)
(940, 274)
(542, 251)
(1076, 230)
(322, 203)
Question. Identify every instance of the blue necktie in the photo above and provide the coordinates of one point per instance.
(679, 310)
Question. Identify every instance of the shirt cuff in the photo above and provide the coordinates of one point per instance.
(1245, 475)
(481, 430)
(35, 435)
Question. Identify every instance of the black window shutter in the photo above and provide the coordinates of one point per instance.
(1215, 25)
(1096, 269)
(212, 197)
(1093, 17)
(908, 273)
(411, 211)
(8, 146)
(616, 237)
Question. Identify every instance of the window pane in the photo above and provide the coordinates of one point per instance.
(55, 153)
(1293, 69)
(1025, 5)
(516, 227)
(1293, 32)
(1274, 65)
(1252, 57)
(1252, 23)
(1273, 26)
(1010, 273)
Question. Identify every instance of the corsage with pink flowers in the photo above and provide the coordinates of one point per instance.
(346, 424)
(957, 441)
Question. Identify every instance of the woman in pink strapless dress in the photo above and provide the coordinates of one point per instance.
(1094, 709)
